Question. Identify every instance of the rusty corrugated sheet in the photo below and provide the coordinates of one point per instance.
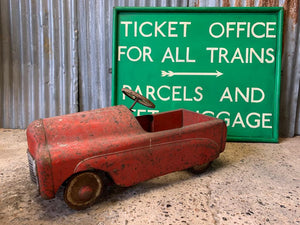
(56, 56)
(290, 77)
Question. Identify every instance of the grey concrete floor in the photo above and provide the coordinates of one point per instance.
(250, 183)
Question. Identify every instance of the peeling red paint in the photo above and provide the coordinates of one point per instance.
(130, 149)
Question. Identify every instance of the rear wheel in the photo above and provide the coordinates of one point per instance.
(83, 190)
(200, 168)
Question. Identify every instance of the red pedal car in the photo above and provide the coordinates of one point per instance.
(78, 150)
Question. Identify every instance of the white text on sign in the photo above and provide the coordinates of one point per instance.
(179, 29)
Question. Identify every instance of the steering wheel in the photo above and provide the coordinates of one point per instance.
(137, 98)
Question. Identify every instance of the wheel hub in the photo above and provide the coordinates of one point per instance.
(85, 193)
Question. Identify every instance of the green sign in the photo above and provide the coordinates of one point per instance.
(222, 62)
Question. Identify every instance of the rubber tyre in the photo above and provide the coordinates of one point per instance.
(83, 190)
(198, 169)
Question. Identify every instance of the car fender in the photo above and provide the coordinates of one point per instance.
(38, 142)
(44, 171)
(114, 165)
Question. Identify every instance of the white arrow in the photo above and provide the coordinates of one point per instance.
(171, 74)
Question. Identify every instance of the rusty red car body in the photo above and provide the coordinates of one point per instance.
(112, 140)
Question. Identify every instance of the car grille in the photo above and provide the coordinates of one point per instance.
(32, 168)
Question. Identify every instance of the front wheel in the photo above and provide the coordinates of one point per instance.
(83, 190)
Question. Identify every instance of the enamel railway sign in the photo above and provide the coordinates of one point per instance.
(222, 62)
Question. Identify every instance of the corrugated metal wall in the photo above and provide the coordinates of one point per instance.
(39, 62)
(55, 56)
